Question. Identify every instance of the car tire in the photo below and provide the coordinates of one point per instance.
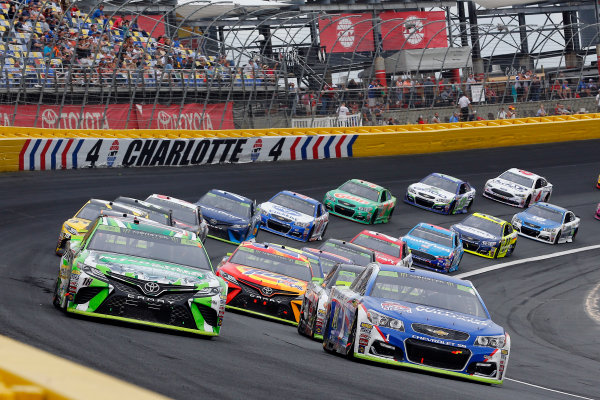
(512, 249)
(301, 322)
(574, 234)
(351, 340)
(326, 346)
(374, 217)
(496, 253)
(547, 197)
(452, 208)
(557, 238)
(527, 202)
(468, 207)
(323, 233)
(60, 247)
(56, 301)
(389, 218)
(310, 233)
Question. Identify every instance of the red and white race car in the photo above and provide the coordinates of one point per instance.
(387, 249)
(518, 188)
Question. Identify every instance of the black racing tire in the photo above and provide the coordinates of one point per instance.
(527, 202)
(512, 249)
(326, 334)
(547, 197)
(301, 323)
(557, 238)
(374, 217)
(55, 300)
(470, 204)
(574, 234)
(324, 231)
(310, 233)
(496, 252)
(351, 339)
(452, 208)
(389, 218)
(60, 247)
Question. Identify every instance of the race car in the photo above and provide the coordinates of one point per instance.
(156, 213)
(316, 298)
(518, 188)
(358, 254)
(597, 216)
(547, 223)
(78, 224)
(230, 217)
(388, 249)
(434, 247)
(294, 216)
(185, 214)
(486, 236)
(417, 319)
(441, 193)
(266, 281)
(325, 259)
(361, 201)
(140, 271)
(598, 183)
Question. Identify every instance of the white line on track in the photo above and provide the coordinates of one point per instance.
(526, 260)
(550, 390)
(591, 301)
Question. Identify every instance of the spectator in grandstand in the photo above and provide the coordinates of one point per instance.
(490, 94)
(99, 12)
(436, 118)
(421, 120)
(454, 117)
(598, 102)
(343, 112)
(428, 89)
(535, 88)
(475, 117)
(398, 90)
(372, 93)
(378, 114)
(512, 112)
(465, 105)
(470, 80)
(367, 116)
(541, 112)
(501, 113)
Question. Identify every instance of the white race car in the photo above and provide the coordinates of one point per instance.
(518, 188)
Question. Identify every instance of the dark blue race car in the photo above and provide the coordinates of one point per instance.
(434, 247)
(230, 217)
(418, 319)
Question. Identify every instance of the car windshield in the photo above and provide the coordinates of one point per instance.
(546, 213)
(518, 179)
(427, 291)
(294, 203)
(441, 183)
(432, 236)
(235, 207)
(357, 256)
(148, 244)
(158, 216)
(181, 213)
(360, 190)
(272, 262)
(343, 276)
(483, 224)
(370, 242)
(89, 211)
(326, 265)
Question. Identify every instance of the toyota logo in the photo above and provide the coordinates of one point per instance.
(151, 287)
(267, 291)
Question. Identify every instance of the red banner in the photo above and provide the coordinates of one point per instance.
(119, 116)
(413, 30)
(154, 25)
(191, 116)
(347, 33)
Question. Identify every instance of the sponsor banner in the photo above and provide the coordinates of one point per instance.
(45, 154)
(120, 116)
(154, 25)
(190, 116)
(347, 33)
(413, 30)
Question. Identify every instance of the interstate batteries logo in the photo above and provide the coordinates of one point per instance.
(256, 149)
(413, 30)
(112, 153)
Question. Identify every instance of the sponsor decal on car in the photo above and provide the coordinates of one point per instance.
(366, 325)
(352, 197)
(395, 307)
(450, 314)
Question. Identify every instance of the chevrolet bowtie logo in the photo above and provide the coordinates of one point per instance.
(440, 332)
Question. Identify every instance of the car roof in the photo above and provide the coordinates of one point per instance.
(550, 206)
(325, 254)
(367, 183)
(343, 243)
(143, 224)
(381, 236)
(523, 172)
(300, 196)
(489, 218)
(434, 228)
(446, 177)
(230, 195)
(143, 204)
(174, 200)
(268, 248)
(424, 273)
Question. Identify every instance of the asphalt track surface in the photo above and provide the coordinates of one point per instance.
(555, 344)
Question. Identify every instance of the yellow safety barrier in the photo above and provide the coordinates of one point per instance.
(30, 374)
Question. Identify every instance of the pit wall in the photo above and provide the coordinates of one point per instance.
(44, 149)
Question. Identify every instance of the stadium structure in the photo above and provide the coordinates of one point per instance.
(260, 64)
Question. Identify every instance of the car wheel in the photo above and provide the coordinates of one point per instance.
(323, 233)
(547, 197)
(557, 237)
(56, 300)
(468, 207)
(310, 233)
(496, 252)
(512, 249)
(527, 202)
(351, 339)
(389, 218)
(374, 217)
(574, 234)
(301, 322)
(451, 208)
(60, 247)
(326, 344)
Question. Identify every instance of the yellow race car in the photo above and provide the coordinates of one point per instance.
(486, 236)
(88, 213)
(598, 183)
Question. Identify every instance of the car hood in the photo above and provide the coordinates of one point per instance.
(509, 186)
(426, 246)
(351, 198)
(474, 232)
(264, 278)
(149, 270)
(78, 223)
(417, 313)
(432, 191)
(279, 211)
(539, 221)
(210, 213)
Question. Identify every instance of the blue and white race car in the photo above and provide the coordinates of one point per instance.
(441, 193)
(434, 247)
(294, 216)
(418, 319)
(230, 217)
(547, 223)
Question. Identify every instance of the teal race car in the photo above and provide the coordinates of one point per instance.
(361, 201)
(143, 272)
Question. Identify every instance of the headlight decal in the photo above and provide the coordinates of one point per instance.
(496, 342)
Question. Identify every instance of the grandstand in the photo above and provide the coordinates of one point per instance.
(219, 65)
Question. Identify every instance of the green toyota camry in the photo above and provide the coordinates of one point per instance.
(361, 201)
(143, 272)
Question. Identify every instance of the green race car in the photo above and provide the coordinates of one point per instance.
(141, 271)
(361, 201)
